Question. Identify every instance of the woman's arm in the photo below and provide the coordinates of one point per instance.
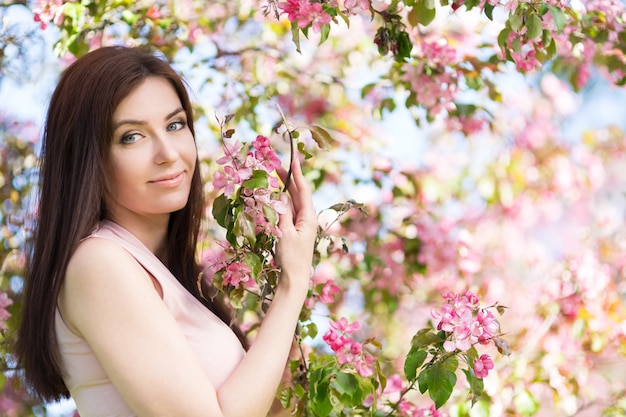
(111, 301)
(269, 353)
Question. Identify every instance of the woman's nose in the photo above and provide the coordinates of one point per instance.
(165, 149)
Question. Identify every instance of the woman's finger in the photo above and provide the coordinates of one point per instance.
(300, 193)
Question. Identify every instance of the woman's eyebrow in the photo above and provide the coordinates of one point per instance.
(123, 122)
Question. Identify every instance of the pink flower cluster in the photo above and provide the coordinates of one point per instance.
(5, 301)
(526, 59)
(306, 13)
(347, 349)
(326, 294)
(47, 11)
(239, 167)
(435, 87)
(466, 324)
(238, 273)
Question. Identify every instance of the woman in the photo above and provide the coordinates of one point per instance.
(112, 314)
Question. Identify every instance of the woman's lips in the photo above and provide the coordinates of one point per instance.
(170, 180)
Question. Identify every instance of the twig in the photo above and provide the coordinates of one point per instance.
(291, 150)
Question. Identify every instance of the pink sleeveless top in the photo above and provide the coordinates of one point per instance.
(215, 344)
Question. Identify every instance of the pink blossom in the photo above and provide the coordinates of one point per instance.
(268, 158)
(344, 326)
(252, 163)
(226, 180)
(237, 273)
(232, 154)
(349, 351)
(328, 292)
(394, 384)
(465, 323)
(257, 202)
(487, 326)
(305, 13)
(47, 11)
(361, 4)
(482, 365)
(364, 366)
(214, 262)
(525, 57)
(428, 412)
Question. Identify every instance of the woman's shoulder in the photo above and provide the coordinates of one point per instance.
(100, 275)
(109, 247)
(94, 253)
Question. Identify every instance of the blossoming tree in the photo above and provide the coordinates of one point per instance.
(418, 254)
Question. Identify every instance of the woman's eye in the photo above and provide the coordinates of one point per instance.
(129, 138)
(174, 126)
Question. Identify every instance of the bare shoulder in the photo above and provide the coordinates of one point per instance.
(96, 257)
(101, 275)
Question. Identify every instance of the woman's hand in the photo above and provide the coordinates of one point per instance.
(294, 250)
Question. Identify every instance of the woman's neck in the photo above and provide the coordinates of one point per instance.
(150, 230)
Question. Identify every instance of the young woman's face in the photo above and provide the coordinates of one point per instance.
(153, 153)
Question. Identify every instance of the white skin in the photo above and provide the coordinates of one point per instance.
(109, 299)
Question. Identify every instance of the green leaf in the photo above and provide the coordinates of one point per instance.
(412, 17)
(516, 21)
(470, 4)
(309, 330)
(253, 261)
(413, 361)
(503, 37)
(474, 82)
(319, 386)
(516, 45)
(489, 10)
(559, 17)
(244, 226)
(324, 33)
(388, 104)
(439, 380)
(321, 137)
(546, 40)
(425, 11)
(347, 385)
(404, 46)
(235, 297)
(366, 89)
(270, 215)
(295, 35)
(425, 337)
(299, 390)
(257, 180)
(75, 46)
(221, 209)
(285, 397)
(476, 385)
(74, 11)
(534, 26)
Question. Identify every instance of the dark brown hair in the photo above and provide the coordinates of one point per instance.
(73, 185)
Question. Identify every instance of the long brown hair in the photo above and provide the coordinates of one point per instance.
(73, 185)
